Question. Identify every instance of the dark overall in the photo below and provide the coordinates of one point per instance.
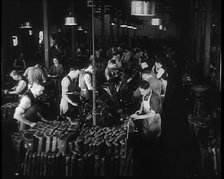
(31, 113)
(73, 111)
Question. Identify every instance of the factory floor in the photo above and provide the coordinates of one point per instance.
(173, 155)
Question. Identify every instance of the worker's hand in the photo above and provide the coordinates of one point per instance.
(43, 119)
(74, 104)
(138, 112)
(32, 124)
(134, 116)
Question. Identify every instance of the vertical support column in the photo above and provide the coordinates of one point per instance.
(111, 30)
(89, 34)
(220, 69)
(46, 38)
(2, 61)
(192, 21)
(102, 23)
(198, 34)
(207, 38)
(73, 40)
(118, 29)
(94, 69)
(73, 43)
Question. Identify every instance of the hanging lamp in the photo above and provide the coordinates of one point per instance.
(156, 21)
(123, 25)
(70, 20)
(80, 28)
(143, 8)
(25, 25)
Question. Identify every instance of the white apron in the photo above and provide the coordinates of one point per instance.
(151, 125)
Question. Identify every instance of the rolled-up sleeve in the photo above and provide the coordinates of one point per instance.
(64, 86)
(160, 73)
(21, 86)
(23, 106)
(88, 81)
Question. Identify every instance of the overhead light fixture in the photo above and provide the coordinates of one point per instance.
(142, 8)
(156, 21)
(26, 25)
(129, 26)
(80, 28)
(15, 40)
(160, 27)
(41, 37)
(123, 25)
(112, 23)
(134, 28)
(85, 31)
(70, 20)
(30, 32)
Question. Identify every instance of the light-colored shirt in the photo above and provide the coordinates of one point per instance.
(64, 86)
(155, 85)
(160, 73)
(19, 88)
(24, 104)
(39, 74)
(64, 97)
(88, 81)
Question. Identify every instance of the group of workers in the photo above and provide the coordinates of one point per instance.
(76, 86)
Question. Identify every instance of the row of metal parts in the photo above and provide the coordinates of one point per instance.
(97, 151)
(56, 164)
(46, 137)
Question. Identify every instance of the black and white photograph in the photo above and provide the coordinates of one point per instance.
(111, 88)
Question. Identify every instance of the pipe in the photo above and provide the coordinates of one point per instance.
(46, 42)
(94, 70)
(220, 70)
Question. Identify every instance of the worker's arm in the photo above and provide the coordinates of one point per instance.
(20, 110)
(160, 73)
(143, 116)
(64, 84)
(19, 88)
(88, 81)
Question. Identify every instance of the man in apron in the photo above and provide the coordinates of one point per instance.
(70, 93)
(160, 74)
(85, 84)
(149, 113)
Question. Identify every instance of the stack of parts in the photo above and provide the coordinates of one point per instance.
(44, 137)
(103, 151)
(56, 149)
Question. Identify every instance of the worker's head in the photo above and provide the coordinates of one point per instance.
(74, 72)
(112, 64)
(146, 74)
(89, 68)
(115, 56)
(144, 87)
(55, 61)
(15, 75)
(37, 88)
(158, 63)
(141, 52)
